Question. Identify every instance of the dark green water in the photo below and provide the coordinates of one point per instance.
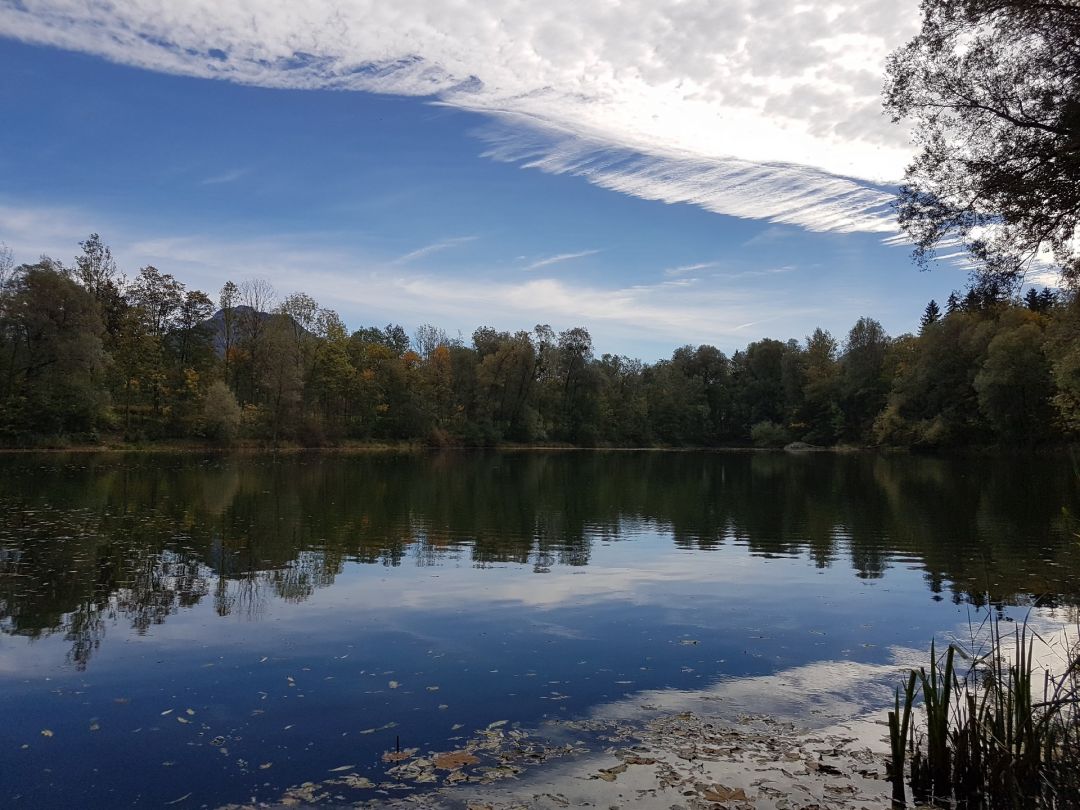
(281, 607)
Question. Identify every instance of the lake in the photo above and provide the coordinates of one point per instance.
(215, 629)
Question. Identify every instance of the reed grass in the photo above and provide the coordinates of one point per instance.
(982, 739)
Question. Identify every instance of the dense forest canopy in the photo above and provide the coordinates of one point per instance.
(86, 352)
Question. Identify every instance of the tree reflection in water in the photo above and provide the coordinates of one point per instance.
(86, 542)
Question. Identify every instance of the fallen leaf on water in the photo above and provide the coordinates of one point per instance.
(95, 727)
(182, 720)
(167, 711)
(341, 768)
(609, 774)
(354, 781)
(433, 689)
(190, 712)
(720, 793)
(394, 684)
(454, 760)
(46, 732)
(497, 724)
(265, 765)
(399, 756)
(368, 731)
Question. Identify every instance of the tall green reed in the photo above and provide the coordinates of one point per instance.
(983, 740)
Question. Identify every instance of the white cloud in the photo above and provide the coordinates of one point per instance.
(435, 247)
(230, 176)
(683, 269)
(31, 232)
(756, 109)
(559, 258)
(364, 285)
(772, 234)
(765, 271)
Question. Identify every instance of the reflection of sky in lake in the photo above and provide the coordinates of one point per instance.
(428, 651)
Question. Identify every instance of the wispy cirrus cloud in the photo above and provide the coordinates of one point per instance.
(559, 259)
(685, 269)
(768, 111)
(761, 271)
(366, 286)
(434, 247)
(230, 176)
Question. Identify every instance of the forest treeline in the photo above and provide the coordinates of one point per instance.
(86, 352)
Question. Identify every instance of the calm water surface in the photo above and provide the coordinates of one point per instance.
(223, 627)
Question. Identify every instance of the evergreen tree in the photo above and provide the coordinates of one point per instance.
(932, 314)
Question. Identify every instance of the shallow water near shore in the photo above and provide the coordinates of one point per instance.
(214, 630)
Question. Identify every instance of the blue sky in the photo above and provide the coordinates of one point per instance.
(409, 202)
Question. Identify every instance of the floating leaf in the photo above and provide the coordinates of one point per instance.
(394, 684)
(720, 793)
(45, 732)
(341, 768)
(399, 756)
(454, 760)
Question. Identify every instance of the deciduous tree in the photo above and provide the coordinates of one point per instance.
(992, 91)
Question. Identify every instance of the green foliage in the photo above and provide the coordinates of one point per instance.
(1014, 385)
(86, 350)
(768, 434)
(992, 88)
(1005, 734)
(220, 414)
(864, 385)
(52, 367)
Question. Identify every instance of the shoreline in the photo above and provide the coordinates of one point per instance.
(417, 447)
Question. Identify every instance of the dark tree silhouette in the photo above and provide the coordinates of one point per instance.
(992, 88)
